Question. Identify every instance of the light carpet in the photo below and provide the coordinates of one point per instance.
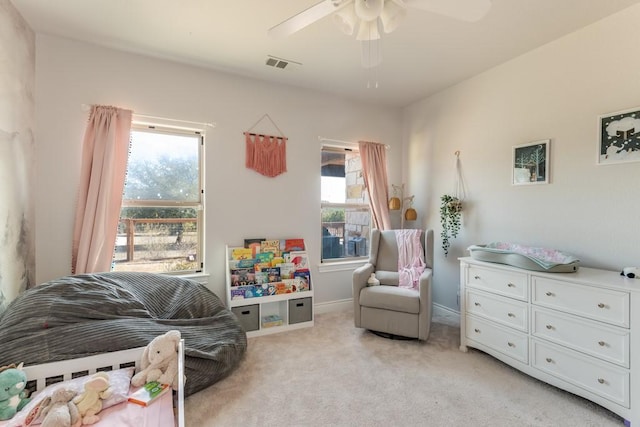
(336, 375)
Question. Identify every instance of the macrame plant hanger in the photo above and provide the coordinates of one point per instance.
(266, 154)
(459, 191)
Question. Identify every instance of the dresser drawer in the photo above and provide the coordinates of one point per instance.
(504, 340)
(507, 283)
(593, 303)
(583, 371)
(505, 311)
(607, 343)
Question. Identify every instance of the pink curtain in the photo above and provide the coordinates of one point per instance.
(374, 171)
(104, 165)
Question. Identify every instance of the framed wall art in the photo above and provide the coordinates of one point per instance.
(531, 163)
(619, 137)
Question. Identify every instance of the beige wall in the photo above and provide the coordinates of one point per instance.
(556, 92)
(17, 67)
(240, 203)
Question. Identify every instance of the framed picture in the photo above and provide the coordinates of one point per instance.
(531, 163)
(619, 137)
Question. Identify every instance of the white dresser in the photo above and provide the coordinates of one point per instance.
(572, 330)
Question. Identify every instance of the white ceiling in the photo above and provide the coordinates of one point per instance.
(426, 54)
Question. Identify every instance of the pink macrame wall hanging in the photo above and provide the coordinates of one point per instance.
(266, 154)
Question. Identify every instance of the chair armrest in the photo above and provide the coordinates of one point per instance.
(424, 322)
(424, 284)
(360, 277)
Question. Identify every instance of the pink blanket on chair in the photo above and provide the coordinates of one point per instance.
(411, 262)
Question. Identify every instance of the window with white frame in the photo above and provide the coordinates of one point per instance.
(161, 218)
(345, 211)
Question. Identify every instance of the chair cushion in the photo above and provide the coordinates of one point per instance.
(391, 298)
(390, 278)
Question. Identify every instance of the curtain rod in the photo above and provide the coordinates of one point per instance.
(321, 138)
(87, 107)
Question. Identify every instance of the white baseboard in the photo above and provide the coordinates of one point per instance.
(441, 310)
(329, 306)
(347, 304)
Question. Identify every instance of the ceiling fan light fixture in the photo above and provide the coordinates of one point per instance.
(368, 10)
(346, 19)
(392, 14)
(368, 30)
(371, 53)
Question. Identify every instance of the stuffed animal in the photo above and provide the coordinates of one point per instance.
(12, 396)
(89, 402)
(58, 410)
(160, 361)
(631, 272)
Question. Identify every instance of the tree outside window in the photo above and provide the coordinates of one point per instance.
(160, 228)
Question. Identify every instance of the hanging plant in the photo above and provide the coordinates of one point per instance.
(450, 213)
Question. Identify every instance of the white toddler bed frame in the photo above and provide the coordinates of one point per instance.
(40, 376)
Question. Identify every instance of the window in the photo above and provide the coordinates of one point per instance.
(161, 219)
(346, 216)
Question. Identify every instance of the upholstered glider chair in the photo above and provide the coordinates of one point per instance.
(388, 308)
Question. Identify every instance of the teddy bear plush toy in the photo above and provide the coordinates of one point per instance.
(89, 402)
(60, 411)
(12, 396)
(160, 361)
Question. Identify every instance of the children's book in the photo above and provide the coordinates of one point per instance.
(281, 288)
(273, 273)
(148, 393)
(269, 289)
(264, 257)
(294, 245)
(249, 242)
(286, 270)
(243, 277)
(290, 286)
(259, 266)
(241, 253)
(253, 244)
(244, 292)
(270, 246)
(245, 263)
(271, 320)
(299, 259)
(302, 280)
(262, 277)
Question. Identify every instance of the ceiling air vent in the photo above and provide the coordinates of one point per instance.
(281, 63)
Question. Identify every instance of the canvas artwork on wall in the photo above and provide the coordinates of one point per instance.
(619, 137)
(531, 163)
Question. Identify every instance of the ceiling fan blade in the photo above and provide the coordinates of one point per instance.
(464, 10)
(307, 17)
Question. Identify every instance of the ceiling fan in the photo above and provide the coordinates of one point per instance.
(367, 17)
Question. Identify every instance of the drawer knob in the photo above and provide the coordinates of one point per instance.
(477, 331)
(510, 344)
(511, 285)
(476, 277)
(550, 294)
(477, 304)
(511, 315)
(550, 327)
(601, 305)
(601, 380)
(602, 343)
(549, 360)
